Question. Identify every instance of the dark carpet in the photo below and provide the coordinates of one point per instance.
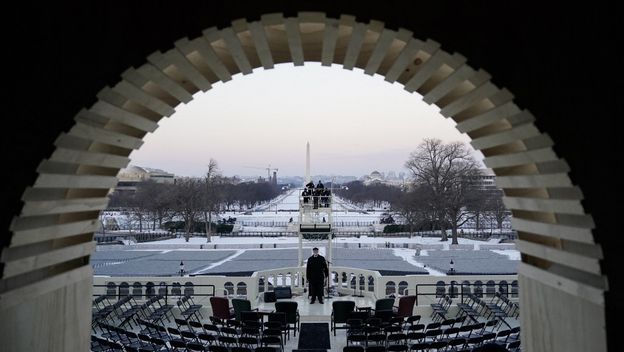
(314, 336)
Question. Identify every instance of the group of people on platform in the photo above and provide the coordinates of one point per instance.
(319, 194)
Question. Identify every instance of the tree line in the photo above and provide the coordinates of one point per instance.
(191, 199)
(376, 194)
(445, 192)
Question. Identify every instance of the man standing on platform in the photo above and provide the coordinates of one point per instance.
(316, 272)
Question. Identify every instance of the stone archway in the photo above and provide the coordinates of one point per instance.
(46, 274)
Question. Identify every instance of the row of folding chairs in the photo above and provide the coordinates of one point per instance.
(439, 310)
(99, 344)
(373, 330)
(126, 311)
(512, 309)
(500, 304)
(156, 310)
(122, 311)
(462, 338)
(247, 334)
(444, 324)
(251, 325)
(454, 345)
(499, 308)
(189, 309)
(451, 336)
(159, 338)
(135, 341)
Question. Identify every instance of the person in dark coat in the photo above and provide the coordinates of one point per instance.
(316, 272)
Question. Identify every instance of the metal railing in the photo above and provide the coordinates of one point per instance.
(459, 290)
(112, 237)
(166, 290)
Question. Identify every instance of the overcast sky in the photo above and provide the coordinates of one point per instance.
(355, 124)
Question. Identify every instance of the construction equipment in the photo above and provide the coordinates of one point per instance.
(269, 169)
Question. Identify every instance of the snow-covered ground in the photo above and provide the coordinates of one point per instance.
(423, 254)
(512, 254)
(275, 216)
(415, 252)
(290, 201)
(362, 239)
(408, 255)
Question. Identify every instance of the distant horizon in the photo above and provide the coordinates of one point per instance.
(355, 124)
(385, 172)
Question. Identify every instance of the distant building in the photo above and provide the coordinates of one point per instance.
(131, 176)
(486, 181)
(378, 177)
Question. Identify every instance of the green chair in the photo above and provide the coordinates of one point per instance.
(383, 308)
(292, 314)
(340, 314)
(241, 305)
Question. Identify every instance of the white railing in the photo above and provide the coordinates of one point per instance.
(345, 280)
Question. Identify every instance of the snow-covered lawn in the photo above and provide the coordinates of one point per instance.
(362, 239)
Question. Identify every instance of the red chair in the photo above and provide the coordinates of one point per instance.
(221, 308)
(406, 307)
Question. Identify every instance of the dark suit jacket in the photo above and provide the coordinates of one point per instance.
(316, 269)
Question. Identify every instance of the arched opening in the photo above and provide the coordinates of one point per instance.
(137, 290)
(402, 287)
(111, 290)
(371, 284)
(478, 288)
(453, 289)
(552, 224)
(149, 290)
(124, 289)
(503, 288)
(241, 289)
(440, 289)
(466, 288)
(490, 288)
(229, 288)
(176, 289)
(390, 288)
(189, 289)
(514, 289)
(162, 289)
(362, 283)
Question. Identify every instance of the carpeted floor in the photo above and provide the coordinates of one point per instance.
(314, 336)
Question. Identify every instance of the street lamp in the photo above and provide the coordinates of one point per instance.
(181, 268)
(452, 270)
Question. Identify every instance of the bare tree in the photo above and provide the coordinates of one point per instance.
(155, 198)
(447, 171)
(377, 193)
(135, 209)
(461, 198)
(212, 195)
(187, 202)
(120, 199)
(411, 206)
(496, 209)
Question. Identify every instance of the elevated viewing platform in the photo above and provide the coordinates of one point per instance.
(314, 228)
